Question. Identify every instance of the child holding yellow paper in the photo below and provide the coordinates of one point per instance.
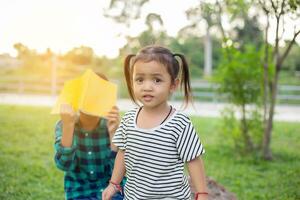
(83, 150)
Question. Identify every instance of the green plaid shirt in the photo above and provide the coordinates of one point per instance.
(88, 163)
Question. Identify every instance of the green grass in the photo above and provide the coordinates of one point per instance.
(27, 169)
(253, 178)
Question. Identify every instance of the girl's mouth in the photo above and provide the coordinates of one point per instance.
(147, 97)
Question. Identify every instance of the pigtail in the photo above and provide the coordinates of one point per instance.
(128, 75)
(185, 79)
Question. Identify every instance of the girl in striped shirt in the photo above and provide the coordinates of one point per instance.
(155, 140)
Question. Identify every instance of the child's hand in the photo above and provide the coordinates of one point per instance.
(108, 192)
(67, 114)
(113, 120)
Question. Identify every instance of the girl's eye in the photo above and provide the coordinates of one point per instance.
(138, 80)
(157, 80)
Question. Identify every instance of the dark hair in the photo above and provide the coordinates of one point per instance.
(165, 57)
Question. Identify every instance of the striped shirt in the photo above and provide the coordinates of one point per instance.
(87, 163)
(154, 158)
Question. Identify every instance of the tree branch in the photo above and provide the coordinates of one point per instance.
(220, 18)
(264, 7)
(286, 52)
(274, 7)
(276, 49)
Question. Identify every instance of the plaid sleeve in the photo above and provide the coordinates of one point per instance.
(65, 158)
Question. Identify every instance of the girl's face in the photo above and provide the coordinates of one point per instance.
(152, 84)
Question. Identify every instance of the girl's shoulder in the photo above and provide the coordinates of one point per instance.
(130, 114)
(182, 116)
(132, 111)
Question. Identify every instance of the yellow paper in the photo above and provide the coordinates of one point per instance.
(89, 94)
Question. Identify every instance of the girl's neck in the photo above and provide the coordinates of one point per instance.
(162, 108)
(152, 117)
(88, 122)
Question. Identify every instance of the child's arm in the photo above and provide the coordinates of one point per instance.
(117, 176)
(113, 121)
(68, 118)
(197, 174)
(65, 151)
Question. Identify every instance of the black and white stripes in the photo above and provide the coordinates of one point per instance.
(154, 158)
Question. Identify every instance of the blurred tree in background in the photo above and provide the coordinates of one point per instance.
(30, 58)
(80, 55)
(240, 78)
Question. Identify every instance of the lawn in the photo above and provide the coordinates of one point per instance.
(27, 169)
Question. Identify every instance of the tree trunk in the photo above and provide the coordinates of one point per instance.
(267, 153)
(247, 138)
(266, 73)
(208, 54)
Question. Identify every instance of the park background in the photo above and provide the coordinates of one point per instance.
(242, 54)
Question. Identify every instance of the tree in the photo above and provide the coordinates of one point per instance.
(196, 14)
(240, 79)
(80, 55)
(249, 33)
(123, 11)
(31, 60)
(282, 11)
(150, 36)
(192, 46)
(285, 13)
(292, 63)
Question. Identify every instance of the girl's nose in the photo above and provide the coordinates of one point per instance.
(147, 86)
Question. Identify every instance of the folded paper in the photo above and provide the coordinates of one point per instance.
(89, 94)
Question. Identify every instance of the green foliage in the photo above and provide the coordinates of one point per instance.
(292, 62)
(27, 169)
(293, 4)
(237, 7)
(248, 31)
(239, 75)
(230, 129)
(255, 125)
(192, 48)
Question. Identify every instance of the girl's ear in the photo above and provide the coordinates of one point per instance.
(174, 85)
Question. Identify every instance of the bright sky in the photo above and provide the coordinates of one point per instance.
(64, 24)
